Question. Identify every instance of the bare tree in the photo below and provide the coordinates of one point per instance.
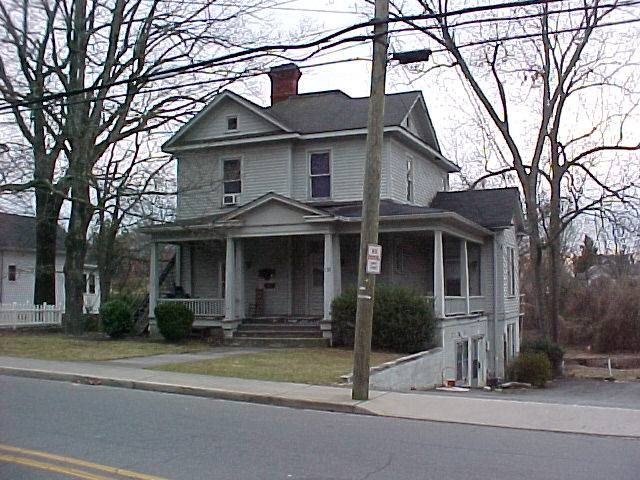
(129, 185)
(87, 72)
(559, 142)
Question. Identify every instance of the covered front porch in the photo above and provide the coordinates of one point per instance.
(296, 277)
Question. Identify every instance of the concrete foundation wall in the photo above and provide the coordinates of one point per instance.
(418, 371)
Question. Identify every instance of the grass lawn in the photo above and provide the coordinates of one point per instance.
(319, 366)
(56, 346)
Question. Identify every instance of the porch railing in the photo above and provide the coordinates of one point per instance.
(458, 305)
(201, 307)
(455, 305)
(18, 315)
(476, 304)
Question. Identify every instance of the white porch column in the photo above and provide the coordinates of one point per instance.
(328, 275)
(153, 284)
(337, 266)
(229, 290)
(438, 275)
(178, 266)
(464, 275)
(240, 293)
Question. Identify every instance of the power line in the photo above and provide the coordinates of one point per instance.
(279, 47)
(225, 59)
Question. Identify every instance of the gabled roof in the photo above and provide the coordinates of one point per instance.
(317, 113)
(334, 110)
(270, 197)
(18, 232)
(493, 208)
(227, 94)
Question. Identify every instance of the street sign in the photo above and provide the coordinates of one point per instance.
(374, 259)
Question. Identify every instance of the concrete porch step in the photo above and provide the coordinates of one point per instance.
(278, 342)
(283, 320)
(281, 332)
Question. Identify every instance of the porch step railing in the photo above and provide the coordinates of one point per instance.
(201, 307)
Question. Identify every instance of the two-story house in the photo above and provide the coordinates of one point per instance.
(268, 220)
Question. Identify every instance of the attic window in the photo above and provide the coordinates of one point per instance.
(232, 123)
(12, 273)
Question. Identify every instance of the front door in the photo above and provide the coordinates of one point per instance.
(462, 362)
(315, 277)
(475, 362)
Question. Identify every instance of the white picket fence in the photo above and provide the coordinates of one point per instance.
(21, 315)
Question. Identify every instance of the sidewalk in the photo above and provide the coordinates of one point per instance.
(442, 408)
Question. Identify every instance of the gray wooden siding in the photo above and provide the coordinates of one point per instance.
(511, 302)
(486, 274)
(214, 123)
(265, 168)
(428, 179)
(347, 167)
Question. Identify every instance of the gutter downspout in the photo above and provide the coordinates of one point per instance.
(495, 304)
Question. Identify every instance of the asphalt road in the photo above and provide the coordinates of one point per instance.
(179, 437)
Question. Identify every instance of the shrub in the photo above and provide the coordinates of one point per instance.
(174, 321)
(532, 367)
(117, 319)
(402, 320)
(553, 351)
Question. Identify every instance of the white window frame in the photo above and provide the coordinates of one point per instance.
(231, 117)
(511, 272)
(310, 153)
(222, 162)
(410, 164)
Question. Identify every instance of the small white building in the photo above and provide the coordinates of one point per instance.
(18, 262)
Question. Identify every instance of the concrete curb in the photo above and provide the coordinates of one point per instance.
(184, 390)
(381, 404)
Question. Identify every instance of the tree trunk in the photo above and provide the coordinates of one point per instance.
(76, 245)
(537, 266)
(46, 237)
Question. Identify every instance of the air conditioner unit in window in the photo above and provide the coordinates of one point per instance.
(230, 199)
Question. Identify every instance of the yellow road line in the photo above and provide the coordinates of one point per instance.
(50, 467)
(82, 463)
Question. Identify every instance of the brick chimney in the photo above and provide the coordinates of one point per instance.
(284, 82)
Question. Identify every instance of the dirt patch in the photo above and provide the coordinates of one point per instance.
(621, 361)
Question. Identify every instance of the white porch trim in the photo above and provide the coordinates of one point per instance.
(438, 275)
(229, 289)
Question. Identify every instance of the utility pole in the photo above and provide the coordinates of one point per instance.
(370, 204)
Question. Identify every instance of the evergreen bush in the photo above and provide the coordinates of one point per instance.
(117, 318)
(403, 321)
(553, 351)
(174, 320)
(532, 367)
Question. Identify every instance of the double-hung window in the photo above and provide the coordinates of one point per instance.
(12, 273)
(320, 174)
(511, 271)
(409, 179)
(231, 176)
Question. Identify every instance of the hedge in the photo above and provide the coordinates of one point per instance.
(403, 321)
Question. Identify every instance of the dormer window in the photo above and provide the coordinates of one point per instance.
(320, 174)
(232, 123)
